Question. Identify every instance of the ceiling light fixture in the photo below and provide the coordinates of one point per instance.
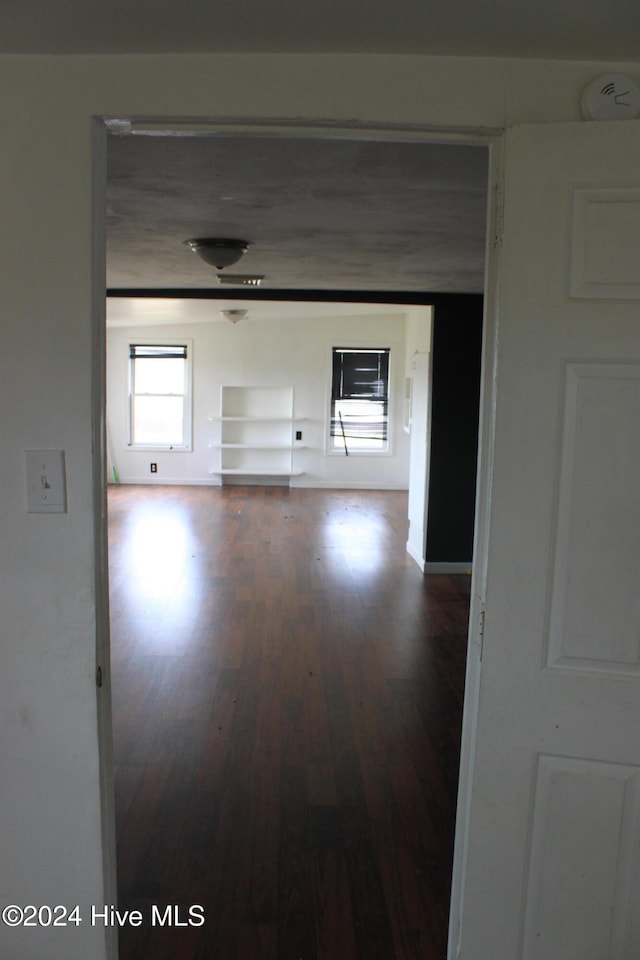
(219, 253)
(234, 315)
(240, 279)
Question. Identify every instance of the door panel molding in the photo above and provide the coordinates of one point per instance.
(605, 243)
(594, 620)
(585, 824)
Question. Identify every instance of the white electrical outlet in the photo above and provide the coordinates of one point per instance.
(46, 481)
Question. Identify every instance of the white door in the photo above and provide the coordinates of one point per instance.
(548, 846)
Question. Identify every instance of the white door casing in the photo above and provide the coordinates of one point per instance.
(548, 843)
(419, 456)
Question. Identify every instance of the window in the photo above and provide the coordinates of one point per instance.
(159, 404)
(359, 401)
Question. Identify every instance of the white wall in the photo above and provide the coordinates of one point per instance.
(50, 844)
(419, 334)
(273, 352)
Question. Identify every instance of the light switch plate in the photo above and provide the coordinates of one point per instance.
(46, 481)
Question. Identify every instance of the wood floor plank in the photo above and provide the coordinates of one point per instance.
(287, 696)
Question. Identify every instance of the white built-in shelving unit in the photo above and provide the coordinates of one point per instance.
(256, 432)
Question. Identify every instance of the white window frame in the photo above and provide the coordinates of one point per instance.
(336, 451)
(187, 431)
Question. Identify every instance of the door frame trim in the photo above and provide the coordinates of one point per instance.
(482, 528)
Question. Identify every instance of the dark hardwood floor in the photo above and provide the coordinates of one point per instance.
(287, 698)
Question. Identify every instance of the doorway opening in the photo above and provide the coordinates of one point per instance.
(324, 826)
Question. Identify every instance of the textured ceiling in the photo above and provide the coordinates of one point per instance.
(319, 214)
(554, 29)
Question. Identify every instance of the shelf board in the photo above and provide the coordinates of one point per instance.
(253, 446)
(256, 419)
(239, 472)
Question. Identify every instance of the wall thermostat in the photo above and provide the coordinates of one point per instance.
(613, 96)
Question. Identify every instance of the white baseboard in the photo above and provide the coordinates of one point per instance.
(416, 555)
(448, 567)
(346, 484)
(255, 481)
(162, 482)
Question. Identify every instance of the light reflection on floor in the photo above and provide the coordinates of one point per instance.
(159, 590)
(159, 548)
(168, 579)
(356, 539)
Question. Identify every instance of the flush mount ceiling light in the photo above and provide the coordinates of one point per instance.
(234, 315)
(240, 279)
(219, 253)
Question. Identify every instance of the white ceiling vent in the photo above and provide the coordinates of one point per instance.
(240, 279)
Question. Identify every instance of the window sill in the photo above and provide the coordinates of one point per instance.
(155, 448)
(358, 453)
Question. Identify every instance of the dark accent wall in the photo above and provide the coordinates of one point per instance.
(455, 403)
